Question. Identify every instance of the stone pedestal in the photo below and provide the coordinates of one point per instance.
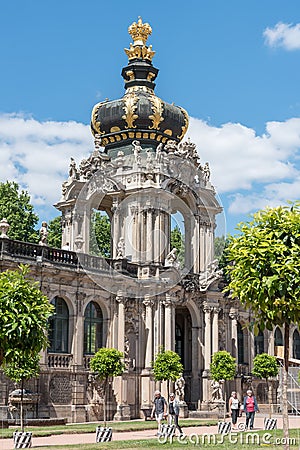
(183, 410)
(123, 413)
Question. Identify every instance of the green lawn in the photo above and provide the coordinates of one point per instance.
(133, 425)
(240, 441)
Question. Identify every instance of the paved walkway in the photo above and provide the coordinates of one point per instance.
(89, 438)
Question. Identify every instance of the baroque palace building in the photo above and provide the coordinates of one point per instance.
(144, 176)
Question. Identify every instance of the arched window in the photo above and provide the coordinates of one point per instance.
(296, 344)
(278, 340)
(59, 327)
(93, 329)
(240, 343)
(178, 341)
(259, 343)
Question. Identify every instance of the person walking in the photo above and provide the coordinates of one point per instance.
(174, 412)
(250, 408)
(159, 409)
(234, 408)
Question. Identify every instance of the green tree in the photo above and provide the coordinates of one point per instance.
(107, 362)
(265, 366)
(15, 207)
(54, 232)
(223, 368)
(100, 234)
(219, 245)
(177, 241)
(19, 369)
(24, 313)
(167, 367)
(264, 273)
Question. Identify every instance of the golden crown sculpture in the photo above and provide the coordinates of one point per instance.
(139, 32)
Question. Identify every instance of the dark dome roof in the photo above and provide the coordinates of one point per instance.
(139, 114)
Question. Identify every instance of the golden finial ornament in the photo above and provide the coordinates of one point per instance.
(139, 32)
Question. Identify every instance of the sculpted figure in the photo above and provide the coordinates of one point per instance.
(216, 392)
(136, 151)
(179, 388)
(73, 173)
(121, 248)
(43, 233)
(171, 258)
(206, 172)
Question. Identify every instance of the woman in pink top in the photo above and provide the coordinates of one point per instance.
(250, 408)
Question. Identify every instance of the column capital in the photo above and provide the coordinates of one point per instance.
(207, 308)
(233, 314)
(120, 298)
(148, 302)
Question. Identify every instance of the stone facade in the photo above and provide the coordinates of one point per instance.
(146, 295)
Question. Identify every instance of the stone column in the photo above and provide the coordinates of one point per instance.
(207, 335)
(169, 327)
(149, 235)
(207, 352)
(233, 315)
(196, 246)
(123, 409)
(146, 384)
(134, 232)
(155, 239)
(115, 226)
(215, 329)
(202, 261)
(148, 302)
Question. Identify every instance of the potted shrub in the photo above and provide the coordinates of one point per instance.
(106, 363)
(167, 366)
(19, 370)
(223, 368)
(24, 313)
(265, 366)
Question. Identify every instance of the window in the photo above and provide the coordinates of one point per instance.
(59, 327)
(178, 342)
(93, 329)
(296, 344)
(240, 342)
(278, 338)
(259, 343)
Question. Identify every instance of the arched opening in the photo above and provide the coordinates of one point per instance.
(59, 327)
(240, 344)
(259, 343)
(93, 329)
(177, 236)
(179, 342)
(296, 344)
(278, 342)
(100, 234)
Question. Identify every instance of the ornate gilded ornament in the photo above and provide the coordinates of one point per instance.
(129, 107)
(139, 52)
(96, 123)
(139, 32)
(157, 109)
(186, 123)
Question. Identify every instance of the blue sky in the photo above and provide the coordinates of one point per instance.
(233, 65)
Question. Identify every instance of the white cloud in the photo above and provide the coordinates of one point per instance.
(37, 154)
(241, 161)
(251, 170)
(283, 35)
